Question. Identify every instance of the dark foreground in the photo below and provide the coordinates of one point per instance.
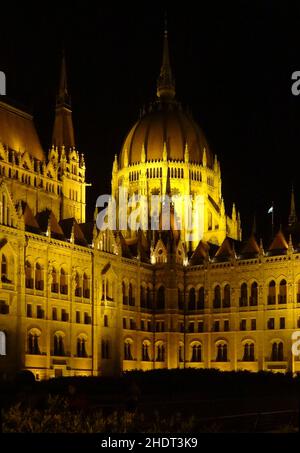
(162, 401)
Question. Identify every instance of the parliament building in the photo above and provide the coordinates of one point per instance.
(76, 300)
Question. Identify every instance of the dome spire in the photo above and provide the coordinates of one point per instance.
(165, 82)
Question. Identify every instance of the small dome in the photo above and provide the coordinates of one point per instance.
(165, 123)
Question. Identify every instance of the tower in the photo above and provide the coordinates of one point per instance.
(64, 155)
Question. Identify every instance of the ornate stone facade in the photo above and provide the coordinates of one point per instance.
(78, 301)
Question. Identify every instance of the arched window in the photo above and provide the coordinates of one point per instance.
(248, 352)
(125, 298)
(192, 299)
(33, 343)
(180, 353)
(78, 289)
(86, 288)
(28, 275)
(2, 343)
(131, 298)
(222, 352)
(161, 298)
(143, 296)
(63, 282)
(39, 282)
(282, 292)
(272, 293)
(145, 352)
(196, 353)
(127, 351)
(160, 353)
(244, 295)
(81, 347)
(105, 349)
(180, 299)
(149, 298)
(59, 345)
(4, 269)
(277, 351)
(226, 300)
(54, 284)
(217, 297)
(201, 298)
(254, 294)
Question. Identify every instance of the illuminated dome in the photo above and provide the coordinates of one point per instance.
(167, 124)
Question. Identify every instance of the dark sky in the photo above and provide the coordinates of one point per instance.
(232, 63)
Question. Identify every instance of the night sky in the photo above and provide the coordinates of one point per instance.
(232, 63)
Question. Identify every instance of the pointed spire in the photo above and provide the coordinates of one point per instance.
(233, 216)
(143, 154)
(165, 153)
(115, 164)
(165, 82)
(63, 131)
(293, 215)
(63, 95)
(126, 158)
(222, 207)
(186, 153)
(216, 167)
(204, 158)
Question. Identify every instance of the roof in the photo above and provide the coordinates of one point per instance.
(165, 123)
(17, 131)
(278, 243)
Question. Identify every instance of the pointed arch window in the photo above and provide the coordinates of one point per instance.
(244, 295)
(272, 293)
(63, 284)
(59, 345)
(254, 294)
(226, 300)
(28, 275)
(282, 292)
(201, 298)
(192, 299)
(78, 288)
(217, 297)
(39, 282)
(86, 286)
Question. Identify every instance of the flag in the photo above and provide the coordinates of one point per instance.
(271, 210)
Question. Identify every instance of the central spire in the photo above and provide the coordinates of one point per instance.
(165, 82)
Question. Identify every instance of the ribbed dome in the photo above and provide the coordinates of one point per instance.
(165, 123)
